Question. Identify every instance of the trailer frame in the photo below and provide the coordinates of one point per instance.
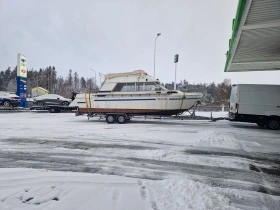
(53, 108)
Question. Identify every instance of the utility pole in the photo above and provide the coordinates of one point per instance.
(37, 84)
(94, 77)
(155, 54)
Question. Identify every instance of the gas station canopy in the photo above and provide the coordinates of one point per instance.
(255, 41)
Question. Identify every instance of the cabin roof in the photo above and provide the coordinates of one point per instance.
(125, 74)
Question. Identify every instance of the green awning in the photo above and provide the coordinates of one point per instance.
(255, 41)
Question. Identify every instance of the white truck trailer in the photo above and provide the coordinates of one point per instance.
(256, 104)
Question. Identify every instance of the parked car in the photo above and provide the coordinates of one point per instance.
(9, 99)
(51, 99)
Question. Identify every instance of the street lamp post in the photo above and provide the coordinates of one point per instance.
(101, 75)
(176, 59)
(94, 76)
(158, 34)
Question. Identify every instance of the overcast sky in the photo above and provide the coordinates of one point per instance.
(118, 36)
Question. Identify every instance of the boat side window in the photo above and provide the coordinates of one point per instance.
(149, 86)
(118, 87)
(140, 86)
(124, 87)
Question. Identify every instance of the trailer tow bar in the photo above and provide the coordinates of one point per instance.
(194, 109)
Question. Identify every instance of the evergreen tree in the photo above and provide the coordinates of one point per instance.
(76, 81)
(83, 84)
(70, 78)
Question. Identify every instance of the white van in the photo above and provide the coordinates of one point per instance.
(256, 104)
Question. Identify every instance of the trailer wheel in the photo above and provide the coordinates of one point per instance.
(121, 119)
(110, 118)
(273, 124)
(53, 110)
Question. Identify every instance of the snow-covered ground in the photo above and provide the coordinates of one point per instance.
(214, 114)
(59, 161)
(41, 189)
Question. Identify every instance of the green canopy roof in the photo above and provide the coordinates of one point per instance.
(255, 41)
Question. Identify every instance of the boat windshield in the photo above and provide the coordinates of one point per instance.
(161, 87)
(138, 87)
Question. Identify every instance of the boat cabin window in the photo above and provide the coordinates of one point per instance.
(138, 86)
(149, 86)
(124, 87)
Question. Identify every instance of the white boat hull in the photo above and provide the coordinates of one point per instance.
(136, 104)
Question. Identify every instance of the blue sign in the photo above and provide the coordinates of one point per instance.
(21, 91)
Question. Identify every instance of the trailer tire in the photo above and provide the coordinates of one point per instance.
(110, 119)
(273, 124)
(121, 119)
(52, 110)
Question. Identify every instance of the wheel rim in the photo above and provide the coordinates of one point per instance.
(110, 119)
(121, 119)
(273, 124)
(65, 104)
(6, 103)
(40, 103)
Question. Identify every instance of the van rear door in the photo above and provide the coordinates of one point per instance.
(234, 99)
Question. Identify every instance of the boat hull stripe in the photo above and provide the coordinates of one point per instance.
(183, 99)
(128, 99)
(141, 99)
(104, 91)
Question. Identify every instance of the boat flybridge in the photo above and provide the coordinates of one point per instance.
(123, 95)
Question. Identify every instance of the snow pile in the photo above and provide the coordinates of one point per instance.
(221, 140)
(224, 140)
(185, 194)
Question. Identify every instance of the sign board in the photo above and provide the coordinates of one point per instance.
(22, 66)
(22, 79)
(21, 87)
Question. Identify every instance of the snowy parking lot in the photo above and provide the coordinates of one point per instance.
(59, 161)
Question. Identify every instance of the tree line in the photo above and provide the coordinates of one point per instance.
(212, 92)
(48, 79)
